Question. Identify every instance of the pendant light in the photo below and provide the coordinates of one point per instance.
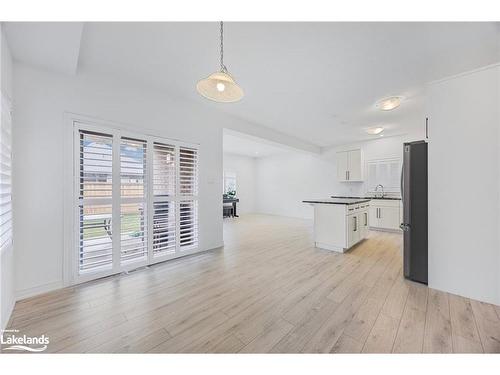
(220, 86)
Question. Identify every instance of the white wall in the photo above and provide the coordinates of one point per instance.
(246, 185)
(284, 180)
(42, 98)
(7, 255)
(464, 187)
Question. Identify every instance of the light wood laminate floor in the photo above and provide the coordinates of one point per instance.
(268, 290)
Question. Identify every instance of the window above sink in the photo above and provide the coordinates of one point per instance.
(385, 172)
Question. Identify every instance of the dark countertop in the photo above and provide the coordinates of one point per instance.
(387, 198)
(339, 200)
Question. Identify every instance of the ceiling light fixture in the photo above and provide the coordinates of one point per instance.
(220, 86)
(375, 131)
(390, 103)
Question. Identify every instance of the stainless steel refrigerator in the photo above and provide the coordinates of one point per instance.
(414, 225)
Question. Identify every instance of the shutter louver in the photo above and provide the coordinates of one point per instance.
(188, 171)
(95, 202)
(188, 224)
(133, 200)
(164, 219)
(5, 175)
(188, 206)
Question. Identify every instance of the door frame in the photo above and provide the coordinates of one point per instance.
(73, 122)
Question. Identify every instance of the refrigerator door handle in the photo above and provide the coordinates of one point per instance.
(402, 183)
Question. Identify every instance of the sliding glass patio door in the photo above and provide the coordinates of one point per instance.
(136, 200)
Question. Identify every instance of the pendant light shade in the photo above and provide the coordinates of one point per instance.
(220, 86)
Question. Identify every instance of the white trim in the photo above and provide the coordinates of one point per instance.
(115, 199)
(73, 124)
(325, 246)
(388, 230)
(45, 288)
(6, 318)
(68, 209)
(98, 124)
(466, 73)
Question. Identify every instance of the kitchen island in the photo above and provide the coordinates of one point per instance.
(339, 223)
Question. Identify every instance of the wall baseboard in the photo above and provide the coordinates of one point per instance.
(31, 292)
(6, 318)
(45, 288)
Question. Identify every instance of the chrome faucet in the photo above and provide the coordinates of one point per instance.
(376, 190)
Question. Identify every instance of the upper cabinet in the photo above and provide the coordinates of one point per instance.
(350, 165)
(342, 165)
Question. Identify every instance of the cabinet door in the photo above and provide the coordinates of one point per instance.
(355, 169)
(342, 165)
(364, 223)
(352, 229)
(373, 217)
(389, 217)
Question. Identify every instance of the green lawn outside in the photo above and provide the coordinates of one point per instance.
(130, 223)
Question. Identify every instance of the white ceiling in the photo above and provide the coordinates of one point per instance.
(51, 45)
(315, 81)
(245, 145)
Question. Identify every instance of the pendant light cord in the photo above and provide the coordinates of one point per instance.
(222, 66)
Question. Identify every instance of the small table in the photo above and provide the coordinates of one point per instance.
(106, 218)
(233, 201)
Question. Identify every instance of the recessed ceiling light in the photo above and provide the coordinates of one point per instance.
(390, 103)
(375, 131)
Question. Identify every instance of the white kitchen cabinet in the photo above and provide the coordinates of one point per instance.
(385, 214)
(350, 165)
(364, 223)
(373, 213)
(353, 230)
(355, 172)
(357, 226)
(342, 165)
(340, 226)
(389, 218)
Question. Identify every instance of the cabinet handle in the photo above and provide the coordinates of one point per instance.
(366, 219)
(355, 223)
(427, 128)
(380, 213)
(346, 175)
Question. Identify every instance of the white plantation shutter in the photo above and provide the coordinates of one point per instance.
(188, 205)
(188, 228)
(5, 174)
(188, 171)
(137, 200)
(386, 172)
(164, 189)
(95, 201)
(133, 222)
